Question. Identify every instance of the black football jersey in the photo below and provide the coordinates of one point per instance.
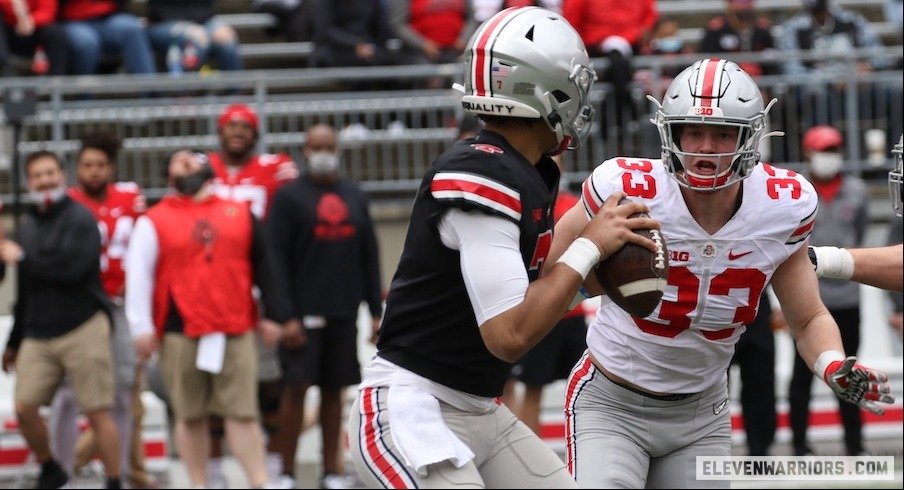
(429, 326)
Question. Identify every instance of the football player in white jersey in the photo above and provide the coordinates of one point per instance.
(882, 267)
(651, 393)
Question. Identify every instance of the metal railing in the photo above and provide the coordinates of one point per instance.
(392, 136)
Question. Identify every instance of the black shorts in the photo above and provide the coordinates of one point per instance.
(329, 359)
(554, 357)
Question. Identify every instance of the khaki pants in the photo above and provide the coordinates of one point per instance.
(83, 354)
(231, 393)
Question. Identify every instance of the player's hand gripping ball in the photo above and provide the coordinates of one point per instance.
(633, 277)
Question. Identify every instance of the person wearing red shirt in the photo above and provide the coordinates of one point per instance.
(243, 174)
(616, 30)
(29, 25)
(436, 31)
(203, 322)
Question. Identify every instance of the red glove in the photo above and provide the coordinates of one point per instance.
(858, 384)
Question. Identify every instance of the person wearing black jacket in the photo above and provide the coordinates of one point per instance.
(326, 251)
(62, 318)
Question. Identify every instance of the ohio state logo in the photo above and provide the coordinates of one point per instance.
(486, 148)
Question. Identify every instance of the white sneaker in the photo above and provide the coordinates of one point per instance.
(331, 480)
(283, 482)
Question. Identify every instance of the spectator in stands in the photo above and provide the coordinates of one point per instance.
(192, 26)
(207, 344)
(351, 33)
(664, 41)
(62, 318)
(327, 257)
(755, 357)
(115, 206)
(739, 30)
(614, 29)
(96, 28)
(841, 222)
(30, 27)
(243, 174)
(829, 31)
(432, 31)
(294, 18)
(484, 9)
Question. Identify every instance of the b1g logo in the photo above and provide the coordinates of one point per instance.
(703, 111)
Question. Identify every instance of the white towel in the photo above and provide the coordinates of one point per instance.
(419, 431)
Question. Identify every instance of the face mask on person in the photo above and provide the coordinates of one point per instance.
(48, 197)
(189, 185)
(323, 162)
(671, 44)
(824, 165)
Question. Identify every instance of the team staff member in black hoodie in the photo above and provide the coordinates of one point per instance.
(326, 252)
(62, 322)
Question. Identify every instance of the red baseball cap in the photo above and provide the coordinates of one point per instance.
(819, 138)
(238, 112)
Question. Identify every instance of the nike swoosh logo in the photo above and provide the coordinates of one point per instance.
(732, 256)
(717, 408)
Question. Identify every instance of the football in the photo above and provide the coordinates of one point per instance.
(633, 277)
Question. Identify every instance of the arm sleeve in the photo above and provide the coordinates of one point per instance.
(281, 228)
(371, 260)
(72, 257)
(272, 294)
(141, 262)
(18, 331)
(399, 15)
(491, 262)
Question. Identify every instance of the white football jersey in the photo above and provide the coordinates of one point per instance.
(715, 281)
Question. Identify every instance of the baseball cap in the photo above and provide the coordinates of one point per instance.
(238, 112)
(820, 138)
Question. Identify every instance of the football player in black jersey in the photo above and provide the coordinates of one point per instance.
(468, 298)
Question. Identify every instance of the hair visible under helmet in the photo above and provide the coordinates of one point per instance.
(718, 92)
(529, 62)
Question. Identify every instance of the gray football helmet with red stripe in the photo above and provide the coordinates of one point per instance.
(896, 177)
(529, 62)
(712, 91)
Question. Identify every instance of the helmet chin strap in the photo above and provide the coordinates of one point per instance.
(563, 145)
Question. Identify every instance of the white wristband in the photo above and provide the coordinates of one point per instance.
(581, 256)
(823, 361)
(833, 263)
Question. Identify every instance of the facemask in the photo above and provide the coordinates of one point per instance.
(47, 198)
(190, 184)
(825, 165)
(323, 162)
(672, 44)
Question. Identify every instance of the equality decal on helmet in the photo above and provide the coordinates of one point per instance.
(482, 51)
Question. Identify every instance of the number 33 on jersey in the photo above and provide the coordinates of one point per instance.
(715, 281)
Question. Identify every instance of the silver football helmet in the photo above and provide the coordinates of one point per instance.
(895, 180)
(530, 62)
(718, 92)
